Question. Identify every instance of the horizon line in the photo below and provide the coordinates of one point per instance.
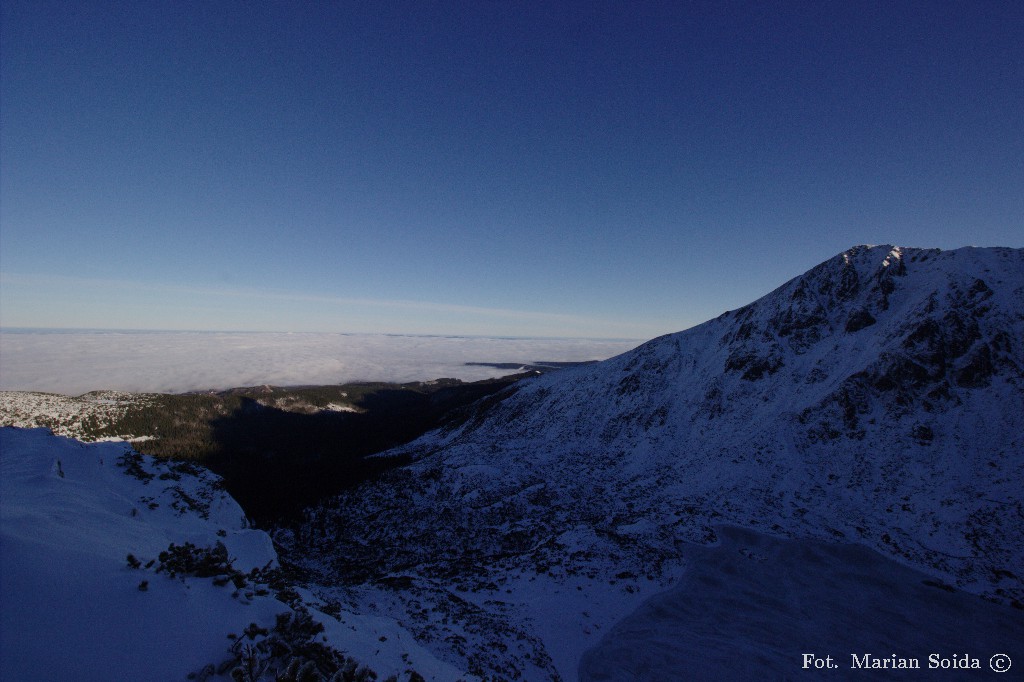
(143, 330)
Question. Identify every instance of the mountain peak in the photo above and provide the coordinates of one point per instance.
(877, 399)
(864, 285)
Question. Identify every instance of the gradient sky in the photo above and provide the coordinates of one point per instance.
(592, 169)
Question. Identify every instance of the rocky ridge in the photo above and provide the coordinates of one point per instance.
(877, 399)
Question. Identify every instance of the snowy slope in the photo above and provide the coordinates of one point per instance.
(73, 608)
(753, 607)
(877, 399)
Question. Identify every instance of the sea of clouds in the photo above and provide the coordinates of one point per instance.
(75, 362)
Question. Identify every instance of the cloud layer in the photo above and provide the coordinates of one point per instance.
(73, 363)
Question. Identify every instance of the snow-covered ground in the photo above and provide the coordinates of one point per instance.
(174, 362)
(73, 608)
(755, 607)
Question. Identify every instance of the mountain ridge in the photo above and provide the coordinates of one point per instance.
(877, 399)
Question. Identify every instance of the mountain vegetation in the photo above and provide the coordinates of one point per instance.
(279, 449)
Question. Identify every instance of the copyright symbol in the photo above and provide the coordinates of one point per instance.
(1000, 663)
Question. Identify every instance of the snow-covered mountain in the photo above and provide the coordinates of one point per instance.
(877, 399)
(854, 438)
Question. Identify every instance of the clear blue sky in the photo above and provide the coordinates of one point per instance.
(509, 168)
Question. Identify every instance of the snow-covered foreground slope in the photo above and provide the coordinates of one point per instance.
(73, 607)
(878, 400)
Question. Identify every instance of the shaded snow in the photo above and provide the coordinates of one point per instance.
(71, 608)
(752, 605)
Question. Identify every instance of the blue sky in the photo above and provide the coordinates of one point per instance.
(495, 168)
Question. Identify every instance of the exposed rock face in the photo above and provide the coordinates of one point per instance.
(876, 399)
